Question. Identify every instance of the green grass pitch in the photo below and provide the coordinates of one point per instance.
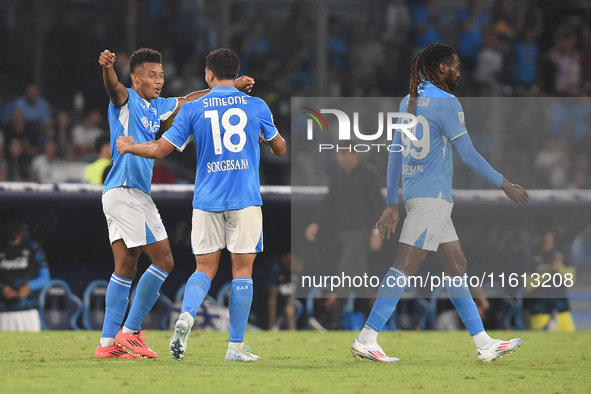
(305, 361)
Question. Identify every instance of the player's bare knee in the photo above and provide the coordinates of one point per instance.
(407, 267)
(167, 263)
(126, 271)
(461, 267)
(457, 269)
(210, 269)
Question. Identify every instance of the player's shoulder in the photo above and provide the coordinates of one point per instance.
(404, 103)
(134, 100)
(441, 99)
(132, 93)
(434, 91)
(132, 97)
(196, 103)
(253, 99)
(257, 105)
(194, 107)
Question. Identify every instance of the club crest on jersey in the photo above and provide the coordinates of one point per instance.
(462, 121)
(152, 127)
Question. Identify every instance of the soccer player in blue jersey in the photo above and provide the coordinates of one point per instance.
(426, 167)
(226, 126)
(133, 220)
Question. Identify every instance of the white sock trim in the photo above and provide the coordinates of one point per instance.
(482, 340)
(126, 330)
(399, 271)
(367, 335)
(104, 342)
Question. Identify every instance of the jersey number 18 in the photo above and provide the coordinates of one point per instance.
(229, 129)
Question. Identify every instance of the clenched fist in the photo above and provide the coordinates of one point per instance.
(107, 59)
(123, 144)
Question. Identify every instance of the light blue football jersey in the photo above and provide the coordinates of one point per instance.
(427, 165)
(141, 120)
(225, 125)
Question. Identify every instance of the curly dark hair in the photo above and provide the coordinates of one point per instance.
(224, 63)
(144, 55)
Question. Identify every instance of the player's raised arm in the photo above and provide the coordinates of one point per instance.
(244, 83)
(152, 150)
(480, 166)
(117, 92)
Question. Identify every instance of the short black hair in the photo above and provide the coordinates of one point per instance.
(224, 63)
(144, 55)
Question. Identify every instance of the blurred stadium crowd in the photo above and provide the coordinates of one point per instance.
(53, 104)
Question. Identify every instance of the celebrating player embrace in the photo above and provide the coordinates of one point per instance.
(226, 126)
(134, 222)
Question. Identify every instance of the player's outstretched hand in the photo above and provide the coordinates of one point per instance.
(244, 83)
(515, 192)
(124, 143)
(388, 222)
(107, 59)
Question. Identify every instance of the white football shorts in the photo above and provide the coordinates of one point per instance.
(428, 223)
(241, 231)
(133, 217)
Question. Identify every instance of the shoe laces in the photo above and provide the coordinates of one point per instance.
(140, 336)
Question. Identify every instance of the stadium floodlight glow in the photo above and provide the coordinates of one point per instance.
(407, 122)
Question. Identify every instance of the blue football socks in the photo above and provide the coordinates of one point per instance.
(460, 296)
(116, 301)
(239, 304)
(146, 295)
(391, 290)
(197, 288)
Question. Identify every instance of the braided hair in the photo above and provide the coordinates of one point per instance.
(424, 67)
